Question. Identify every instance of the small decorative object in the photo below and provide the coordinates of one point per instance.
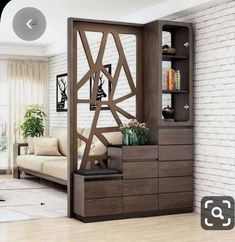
(61, 93)
(104, 88)
(125, 138)
(170, 79)
(134, 133)
(33, 123)
(134, 138)
(167, 50)
(143, 134)
(168, 113)
(177, 80)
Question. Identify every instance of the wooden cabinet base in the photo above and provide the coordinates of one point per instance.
(106, 206)
(175, 200)
(140, 203)
(133, 215)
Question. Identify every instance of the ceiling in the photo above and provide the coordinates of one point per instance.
(57, 12)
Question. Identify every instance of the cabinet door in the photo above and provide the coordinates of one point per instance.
(140, 203)
(175, 168)
(102, 189)
(140, 187)
(175, 200)
(175, 184)
(102, 207)
(175, 136)
(132, 170)
(175, 152)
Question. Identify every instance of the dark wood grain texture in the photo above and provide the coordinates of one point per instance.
(175, 168)
(79, 195)
(140, 187)
(178, 136)
(151, 75)
(105, 206)
(72, 111)
(175, 184)
(140, 152)
(175, 200)
(132, 170)
(103, 189)
(175, 152)
(41, 175)
(140, 203)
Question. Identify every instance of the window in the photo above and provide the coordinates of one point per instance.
(3, 115)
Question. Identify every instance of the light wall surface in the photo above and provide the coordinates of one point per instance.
(214, 100)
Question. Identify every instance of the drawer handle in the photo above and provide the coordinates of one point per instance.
(186, 44)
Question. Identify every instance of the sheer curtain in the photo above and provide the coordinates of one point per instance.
(27, 85)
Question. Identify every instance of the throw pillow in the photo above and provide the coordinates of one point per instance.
(46, 147)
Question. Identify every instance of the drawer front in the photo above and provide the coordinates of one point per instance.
(102, 189)
(175, 200)
(175, 136)
(175, 184)
(132, 170)
(176, 152)
(102, 207)
(140, 203)
(140, 187)
(140, 152)
(175, 168)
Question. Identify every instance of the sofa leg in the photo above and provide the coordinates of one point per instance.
(16, 172)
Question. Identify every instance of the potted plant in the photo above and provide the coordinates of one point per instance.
(33, 123)
(134, 133)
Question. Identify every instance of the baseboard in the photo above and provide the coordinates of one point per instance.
(133, 215)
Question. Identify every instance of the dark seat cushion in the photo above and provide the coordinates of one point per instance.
(92, 172)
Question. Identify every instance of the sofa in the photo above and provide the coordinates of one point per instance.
(54, 167)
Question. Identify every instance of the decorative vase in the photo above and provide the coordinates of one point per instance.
(125, 139)
(134, 138)
(143, 139)
(168, 113)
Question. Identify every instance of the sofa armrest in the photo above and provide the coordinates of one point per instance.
(17, 147)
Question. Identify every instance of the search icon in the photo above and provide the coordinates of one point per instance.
(217, 213)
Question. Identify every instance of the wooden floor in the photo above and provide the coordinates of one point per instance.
(184, 227)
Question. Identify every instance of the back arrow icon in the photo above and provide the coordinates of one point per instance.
(28, 24)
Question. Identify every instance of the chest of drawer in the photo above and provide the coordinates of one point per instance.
(140, 187)
(132, 170)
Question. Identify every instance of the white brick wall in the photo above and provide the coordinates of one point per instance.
(214, 100)
(57, 65)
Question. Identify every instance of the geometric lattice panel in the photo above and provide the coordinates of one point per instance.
(96, 69)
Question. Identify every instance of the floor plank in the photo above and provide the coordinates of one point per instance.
(183, 227)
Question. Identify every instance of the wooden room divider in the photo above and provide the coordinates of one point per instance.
(141, 180)
(79, 28)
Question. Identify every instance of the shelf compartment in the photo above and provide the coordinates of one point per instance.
(173, 57)
(174, 91)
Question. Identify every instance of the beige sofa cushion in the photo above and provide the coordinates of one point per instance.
(35, 163)
(46, 147)
(61, 134)
(97, 147)
(114, 138)
(57, 168)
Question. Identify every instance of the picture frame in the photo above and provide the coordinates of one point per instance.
(104, 88)
(62, 92)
